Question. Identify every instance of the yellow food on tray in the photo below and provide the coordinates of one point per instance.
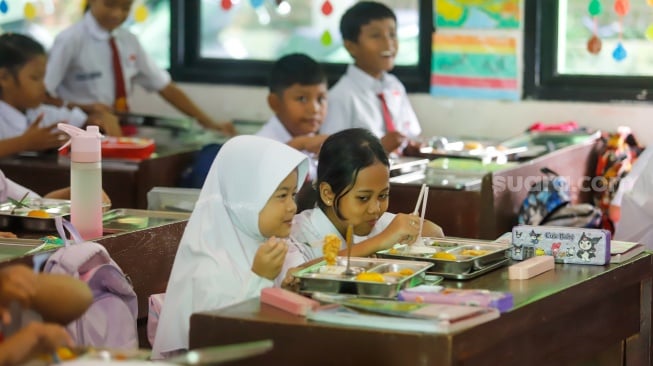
(370, 277)
(330, 248)
(400, 273)
(445, 256)
(473, 252)
(39, 213)
(63, 354)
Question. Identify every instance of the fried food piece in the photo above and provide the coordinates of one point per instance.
(330, 248)
(370, 277)
(474, 252)
(445, 256)
(406, 271)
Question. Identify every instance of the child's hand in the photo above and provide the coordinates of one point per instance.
(6, 234)
(35, 339)
(290, 282)
(314, 143)
(108, 122)
(17, 283)
(413, 148)
(37, 138)
(269, 258)
(392, 140)
(93, 108)
(404, 228)
(226, 128)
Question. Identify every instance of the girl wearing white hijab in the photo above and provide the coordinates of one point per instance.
(229, 250)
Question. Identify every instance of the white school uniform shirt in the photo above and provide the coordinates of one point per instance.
(354, 102)
(309, 228)
(80, 67)
(11, 189)
(636, 222)
(14, 123)
(212, 267)
(275, 130)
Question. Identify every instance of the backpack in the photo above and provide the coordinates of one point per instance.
(544, 198)
(582, 215)
(620, 151)
(110, 321)
(195, 175)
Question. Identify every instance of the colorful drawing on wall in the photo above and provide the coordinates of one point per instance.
(467, 66)
(477, 14)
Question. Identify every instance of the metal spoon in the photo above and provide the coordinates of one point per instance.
(348, 239)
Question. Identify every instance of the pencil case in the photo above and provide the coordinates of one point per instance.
(288, 301)
(565, 244)
(502, 301)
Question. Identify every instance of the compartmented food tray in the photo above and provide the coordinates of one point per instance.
(33, 214)
(475, 273)
(451, 258)
(122, 219)
(382, 278)
(14, 247)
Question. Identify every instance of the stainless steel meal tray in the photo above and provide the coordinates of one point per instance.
(122, 219)
(323, 278)
(468, 255)
(475, 273)
(14, 247)
(14, 218)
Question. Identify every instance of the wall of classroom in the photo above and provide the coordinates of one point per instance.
(438, 116)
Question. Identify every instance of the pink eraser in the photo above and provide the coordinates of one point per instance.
(288, 300)
(531, 267)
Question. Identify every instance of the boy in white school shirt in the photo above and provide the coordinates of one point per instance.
(298, 97)
(357, 99)
(94, 64)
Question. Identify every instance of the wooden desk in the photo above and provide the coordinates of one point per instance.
(126, 183)
(492, 210)
(581, 315)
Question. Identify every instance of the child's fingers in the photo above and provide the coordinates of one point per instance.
(37, 121)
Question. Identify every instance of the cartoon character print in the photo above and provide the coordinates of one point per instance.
(587, 247)
(555, 248)
(516, 251)
(535, 237)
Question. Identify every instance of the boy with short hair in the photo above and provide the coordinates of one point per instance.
(298, 97)
(367, 96)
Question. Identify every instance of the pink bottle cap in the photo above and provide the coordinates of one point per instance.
(85, 145)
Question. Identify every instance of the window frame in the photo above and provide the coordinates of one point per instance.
(187, 65)
(541, 80)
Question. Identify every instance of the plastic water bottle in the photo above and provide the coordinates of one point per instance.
(85, 179)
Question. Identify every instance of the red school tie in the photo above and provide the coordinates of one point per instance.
(387, 117)
(120, 102)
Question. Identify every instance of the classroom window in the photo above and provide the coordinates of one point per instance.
(593, 50)
(235, 41)
(43, 19)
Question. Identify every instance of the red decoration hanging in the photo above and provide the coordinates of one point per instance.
(621, 7)
(226, 4)
(327, 8)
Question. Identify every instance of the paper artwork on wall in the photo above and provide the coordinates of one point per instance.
(477, 14)
(476, 67)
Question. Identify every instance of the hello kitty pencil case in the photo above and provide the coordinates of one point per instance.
(565, 244)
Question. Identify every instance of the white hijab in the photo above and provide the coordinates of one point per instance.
(212, 268)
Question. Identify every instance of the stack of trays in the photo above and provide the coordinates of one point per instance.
(392, 275)
(453, 258)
